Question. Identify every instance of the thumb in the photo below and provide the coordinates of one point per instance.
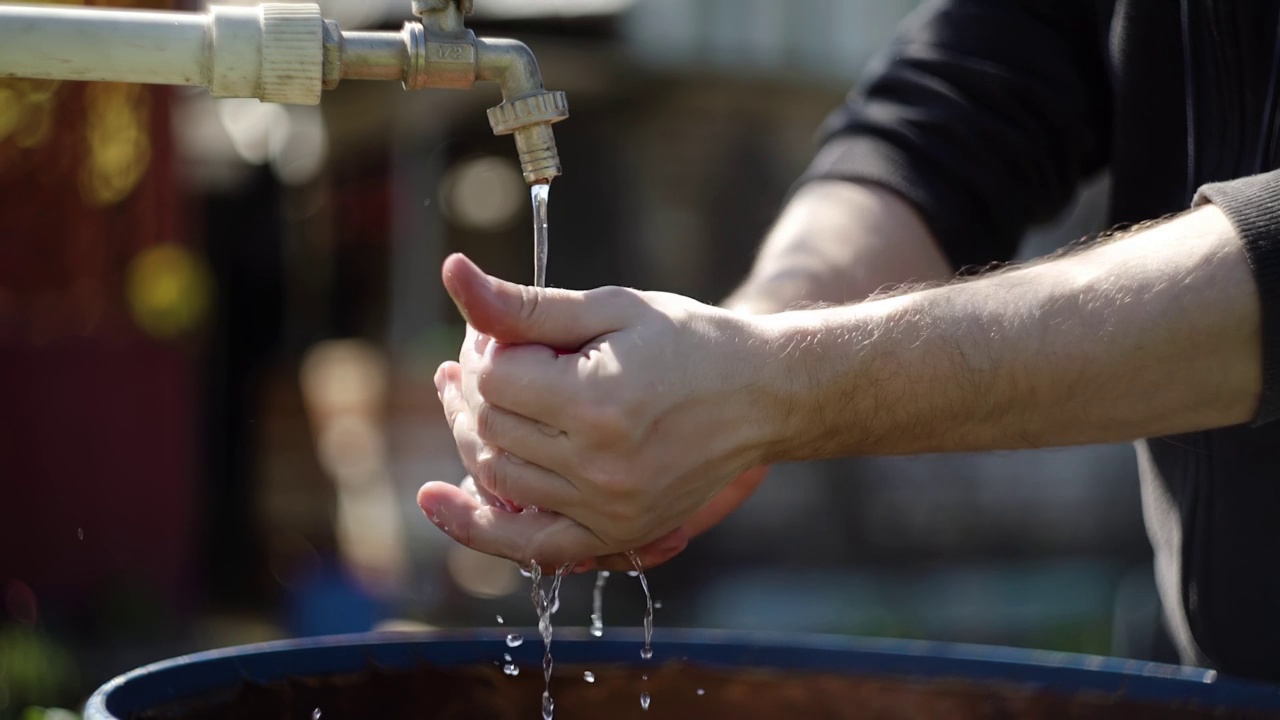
(518, 314)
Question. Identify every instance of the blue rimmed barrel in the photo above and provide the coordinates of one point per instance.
(886, 670)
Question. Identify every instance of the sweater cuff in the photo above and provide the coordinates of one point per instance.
(1252, 205)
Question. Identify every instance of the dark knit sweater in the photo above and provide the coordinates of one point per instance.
(987, 114)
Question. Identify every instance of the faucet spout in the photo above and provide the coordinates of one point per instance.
(438, 52)
(527, 110)
(510, 64)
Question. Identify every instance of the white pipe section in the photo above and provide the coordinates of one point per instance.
(274, 52)
(80, 44)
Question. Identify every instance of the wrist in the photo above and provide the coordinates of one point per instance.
(786, 370)
(839, 377)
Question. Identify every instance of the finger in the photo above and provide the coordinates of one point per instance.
(547, 538)
(530, 440)
(525, 484)
(469, 486)
(447, 385)
(518, 314)
(448, 381)
(473, 345)
(529, 380)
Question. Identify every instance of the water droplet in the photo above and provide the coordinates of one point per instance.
(589, 676)
(701, 691)
(633, 573)
(644, 700)
(514, 640)
(315, 714)
(506, 657)
(644, 677)
(548, 706)
(657, 604)
(646, 652)
(511, 669)
(500, 620)
(80, 533)
(597, 628)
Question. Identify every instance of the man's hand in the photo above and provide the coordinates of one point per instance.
(657, 407)
(674, 543)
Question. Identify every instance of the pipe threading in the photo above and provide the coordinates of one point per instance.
(292, 54)
(539, 158)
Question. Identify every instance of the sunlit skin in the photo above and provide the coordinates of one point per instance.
(641, 438)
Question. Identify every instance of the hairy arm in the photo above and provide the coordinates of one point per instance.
(838, 242)
(1153, 333)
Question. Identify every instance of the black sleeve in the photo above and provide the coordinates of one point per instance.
(1252, 204)
(984, 114)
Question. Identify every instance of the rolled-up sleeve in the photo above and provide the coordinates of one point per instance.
(1252, 204)
(983, 114)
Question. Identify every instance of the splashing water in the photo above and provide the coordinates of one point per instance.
(647, 651)
(546, 603)
(597, 604)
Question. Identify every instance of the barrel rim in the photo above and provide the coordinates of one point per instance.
(876, 657)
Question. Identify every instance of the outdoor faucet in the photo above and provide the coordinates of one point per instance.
(288, 53)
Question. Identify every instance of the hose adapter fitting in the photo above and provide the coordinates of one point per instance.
(529, 120)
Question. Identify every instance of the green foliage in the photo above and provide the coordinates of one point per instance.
(36, 672)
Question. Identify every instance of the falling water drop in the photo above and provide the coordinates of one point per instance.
(80, 533)
(511, 669)
(315, 714)
(514, 640)
(644, 700)
(589, 676)
(647, 651)
(701, 692)
(597, 604)
(500, 620)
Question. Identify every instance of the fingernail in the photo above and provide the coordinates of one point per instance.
(431, 509)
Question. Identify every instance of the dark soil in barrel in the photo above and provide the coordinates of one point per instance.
(485, 693)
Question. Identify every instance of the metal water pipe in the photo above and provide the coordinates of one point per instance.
(287, 53)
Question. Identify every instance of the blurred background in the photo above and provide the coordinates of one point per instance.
(219, 322)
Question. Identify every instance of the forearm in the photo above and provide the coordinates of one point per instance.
(1152, 334)
(838, 242)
